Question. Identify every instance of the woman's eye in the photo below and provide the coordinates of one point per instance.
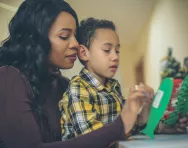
(63, 38)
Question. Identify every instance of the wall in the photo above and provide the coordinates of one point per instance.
(168, 27)
(5, 17)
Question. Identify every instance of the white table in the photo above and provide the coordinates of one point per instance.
(160, 141)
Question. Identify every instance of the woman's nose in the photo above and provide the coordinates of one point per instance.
(74, 43)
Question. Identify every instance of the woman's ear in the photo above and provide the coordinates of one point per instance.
(83, 52)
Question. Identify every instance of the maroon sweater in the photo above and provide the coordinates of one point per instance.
(19, 129)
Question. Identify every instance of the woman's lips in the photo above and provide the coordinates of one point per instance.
(72, 57)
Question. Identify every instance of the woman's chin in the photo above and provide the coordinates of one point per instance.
(68, 66)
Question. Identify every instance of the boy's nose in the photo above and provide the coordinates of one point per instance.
(115, 56)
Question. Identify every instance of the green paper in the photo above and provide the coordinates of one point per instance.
(159, 106)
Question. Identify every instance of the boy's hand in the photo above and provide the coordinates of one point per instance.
(140, 95)
(144, 114)
(140, 98)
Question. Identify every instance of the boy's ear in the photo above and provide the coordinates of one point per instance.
(83, 52)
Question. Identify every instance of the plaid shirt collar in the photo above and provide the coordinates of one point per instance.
(93, 82)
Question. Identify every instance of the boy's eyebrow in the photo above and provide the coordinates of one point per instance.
(110, 44)
(118, 45)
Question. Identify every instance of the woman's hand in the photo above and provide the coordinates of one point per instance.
(179, 128)
(182, 124)
(138, 96)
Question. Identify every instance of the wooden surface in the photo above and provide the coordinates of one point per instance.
(160, 141)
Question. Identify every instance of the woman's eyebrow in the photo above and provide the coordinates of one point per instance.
(65, 29)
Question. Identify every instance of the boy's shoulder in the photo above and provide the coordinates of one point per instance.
(79, 88)
(78, 81)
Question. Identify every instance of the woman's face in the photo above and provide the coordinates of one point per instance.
(63, 42)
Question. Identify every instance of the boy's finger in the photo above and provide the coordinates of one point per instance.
(141, 97)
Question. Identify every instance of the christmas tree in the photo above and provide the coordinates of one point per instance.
(170, 67)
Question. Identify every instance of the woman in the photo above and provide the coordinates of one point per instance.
(42, 41)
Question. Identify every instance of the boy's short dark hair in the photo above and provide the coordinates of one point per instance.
(88, 27)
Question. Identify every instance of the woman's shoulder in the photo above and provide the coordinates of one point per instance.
(9, 69)
(13, 75)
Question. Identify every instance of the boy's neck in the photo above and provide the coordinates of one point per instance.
(101, 79)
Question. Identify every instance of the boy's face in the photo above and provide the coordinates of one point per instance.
(103, 54)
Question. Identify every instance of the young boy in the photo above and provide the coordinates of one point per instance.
(93, 98)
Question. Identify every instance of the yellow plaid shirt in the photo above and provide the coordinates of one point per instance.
(87, 105)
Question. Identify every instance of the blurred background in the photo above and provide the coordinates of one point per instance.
(148, 30)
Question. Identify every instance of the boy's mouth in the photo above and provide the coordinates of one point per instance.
(114, 68)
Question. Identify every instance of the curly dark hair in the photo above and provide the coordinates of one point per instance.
(88, 28)
(28, 46)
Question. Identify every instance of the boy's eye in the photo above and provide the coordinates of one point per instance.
(63, 37)
(107, 50)
(117, 51)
